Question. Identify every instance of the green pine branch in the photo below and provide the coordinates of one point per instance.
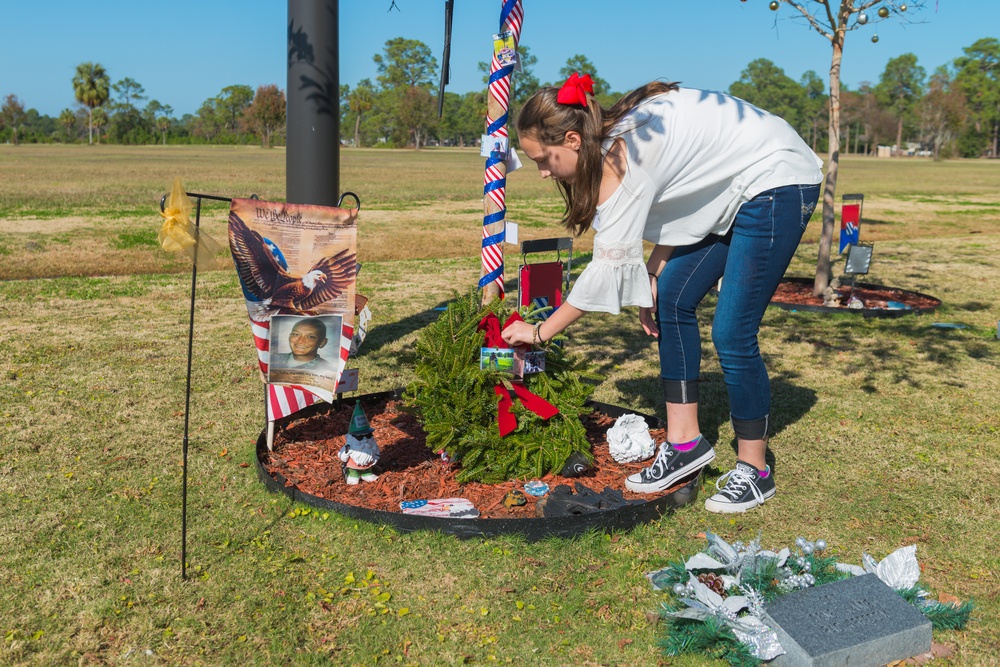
(457, 406)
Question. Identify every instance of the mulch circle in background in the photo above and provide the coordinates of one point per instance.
(304, 465)
(796, 294)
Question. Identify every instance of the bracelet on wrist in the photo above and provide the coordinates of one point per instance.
(653, 274)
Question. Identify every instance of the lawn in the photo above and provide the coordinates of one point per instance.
(887, 431)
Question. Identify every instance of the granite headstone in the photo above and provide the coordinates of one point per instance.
(856, 622)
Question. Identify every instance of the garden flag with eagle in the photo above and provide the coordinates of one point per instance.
(297, 266)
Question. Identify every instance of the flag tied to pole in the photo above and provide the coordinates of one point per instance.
(850, 225)
(297, 269)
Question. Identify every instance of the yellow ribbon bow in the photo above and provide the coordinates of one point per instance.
(177, 234)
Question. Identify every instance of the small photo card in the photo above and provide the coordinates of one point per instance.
(534, 362)
(304, 350)
(505, 49)
(496, 359)
(494, 147)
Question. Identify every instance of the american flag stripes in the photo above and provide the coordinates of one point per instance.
(283, 400)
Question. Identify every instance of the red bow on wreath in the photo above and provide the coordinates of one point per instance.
(506, 421)
(575, 90)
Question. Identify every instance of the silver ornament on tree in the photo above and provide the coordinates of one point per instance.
(862, 18)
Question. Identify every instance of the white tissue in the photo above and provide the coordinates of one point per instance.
(629, 440)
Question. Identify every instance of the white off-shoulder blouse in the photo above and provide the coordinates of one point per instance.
(693, 158)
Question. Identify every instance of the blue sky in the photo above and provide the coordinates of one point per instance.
(186, 51)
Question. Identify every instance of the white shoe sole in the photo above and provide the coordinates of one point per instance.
(725, 506)
(672, 478)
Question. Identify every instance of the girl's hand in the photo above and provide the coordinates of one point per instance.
(647, 316)
(518, 333)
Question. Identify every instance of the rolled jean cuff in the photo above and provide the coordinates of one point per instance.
(680, 391)
(750, 429)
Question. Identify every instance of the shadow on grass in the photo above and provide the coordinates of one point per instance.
(874, 222)
(384, 334)
(835, 340)
(789, 403)
(611, 342)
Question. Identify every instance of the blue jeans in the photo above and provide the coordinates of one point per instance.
(751, 259)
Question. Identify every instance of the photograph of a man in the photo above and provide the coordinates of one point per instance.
(298, 346)
(307, 337)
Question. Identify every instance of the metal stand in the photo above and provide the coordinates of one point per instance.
(859, 261)
(187, 392)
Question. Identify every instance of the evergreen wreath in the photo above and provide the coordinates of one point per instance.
(455, 401)
(698, 621)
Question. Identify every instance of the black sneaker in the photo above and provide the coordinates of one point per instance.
(669, 466)
(744, 489)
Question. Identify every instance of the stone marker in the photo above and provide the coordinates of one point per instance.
(857, 622)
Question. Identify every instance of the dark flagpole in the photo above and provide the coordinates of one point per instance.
(312, 156)
(449, 10)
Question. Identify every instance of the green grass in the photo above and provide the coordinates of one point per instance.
(145, 238)
(887, 432)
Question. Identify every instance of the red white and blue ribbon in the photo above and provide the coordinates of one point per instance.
(495, 179)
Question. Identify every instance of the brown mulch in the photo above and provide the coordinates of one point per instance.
(305, 453)
(800, 293)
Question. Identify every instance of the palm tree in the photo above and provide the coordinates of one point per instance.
(90, 85)
(360, 100)
(163, 124)
(68, 120)
(99, 119)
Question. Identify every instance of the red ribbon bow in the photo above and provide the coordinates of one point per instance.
(575, 90)
(506, 421)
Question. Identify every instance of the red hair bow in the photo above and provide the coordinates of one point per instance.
(575, 90)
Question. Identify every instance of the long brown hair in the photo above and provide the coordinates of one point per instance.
(545, 120)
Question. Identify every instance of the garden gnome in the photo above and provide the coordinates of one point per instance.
(361, 452)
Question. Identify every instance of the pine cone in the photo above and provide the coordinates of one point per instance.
(714, 582)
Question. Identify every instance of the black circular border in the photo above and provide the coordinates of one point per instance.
(865, 312)
(621, 519)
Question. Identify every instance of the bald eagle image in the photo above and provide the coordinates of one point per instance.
(271, 287)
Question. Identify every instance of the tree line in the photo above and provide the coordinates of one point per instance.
(122, 113)
(953, 112)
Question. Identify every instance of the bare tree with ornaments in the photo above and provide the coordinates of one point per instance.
(834, 19)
